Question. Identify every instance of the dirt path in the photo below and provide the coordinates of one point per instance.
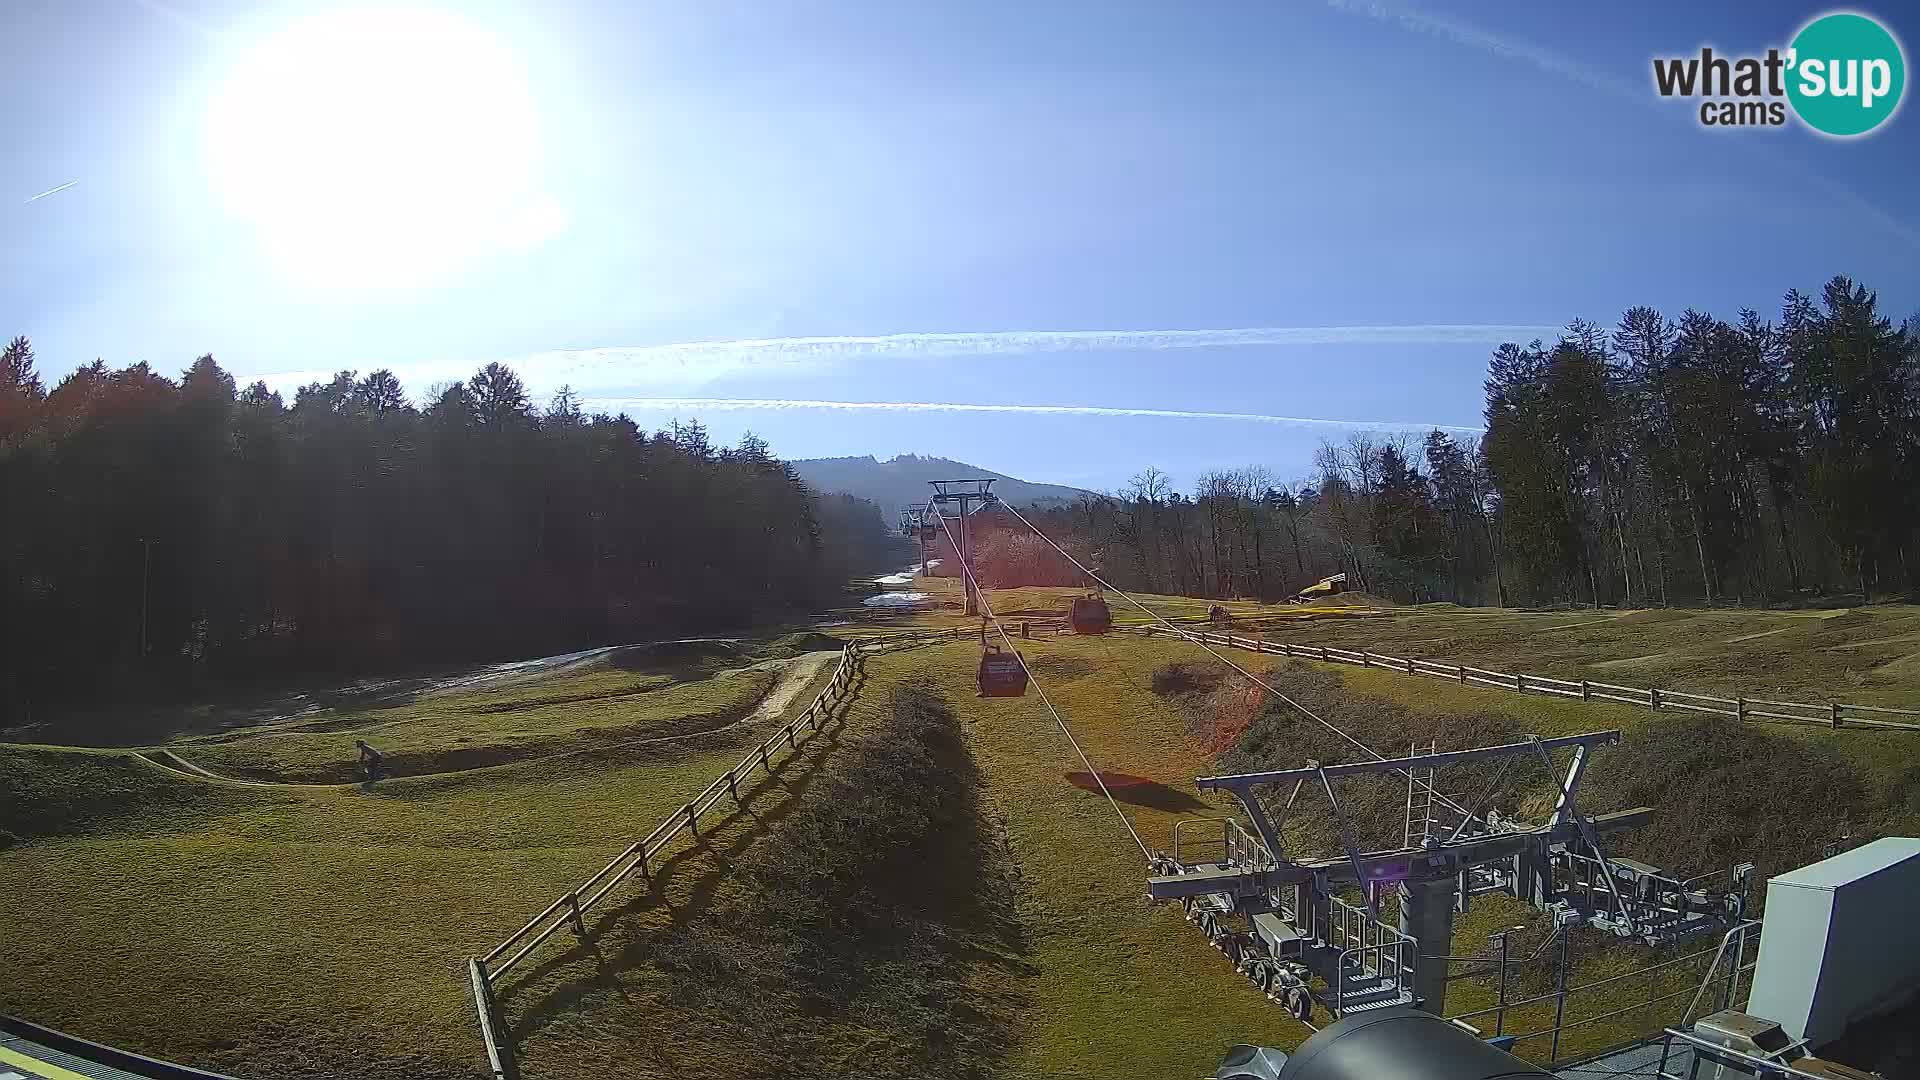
(795, 676)
(795, 679)
(169, 762)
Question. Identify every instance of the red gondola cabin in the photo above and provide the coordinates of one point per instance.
(1090, 615)
(1001, 673)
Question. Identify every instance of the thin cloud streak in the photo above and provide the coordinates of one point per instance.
(1507, 48)
(704, 361)
(663, 404)
(696, 365)
(51, 191)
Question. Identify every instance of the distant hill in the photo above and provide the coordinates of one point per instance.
(903, 481)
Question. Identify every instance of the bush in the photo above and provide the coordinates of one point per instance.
(1727, 793)
(1184, 679)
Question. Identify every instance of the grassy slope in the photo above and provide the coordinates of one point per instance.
(863, 910)
(308, 932)
(1097, 960)
(344, 917)
(1804, 655)
(1869, 656)
(1866, 655)
(1118, 988)
(446, 732)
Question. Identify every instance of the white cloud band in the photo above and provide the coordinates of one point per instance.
(697, 405)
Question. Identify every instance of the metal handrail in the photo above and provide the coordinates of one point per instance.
(1741, 930)
(1715, 1051)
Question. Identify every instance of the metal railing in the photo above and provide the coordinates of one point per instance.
(1377, 951)
(1725, 987)
(1739, 1062)
(1832, 714)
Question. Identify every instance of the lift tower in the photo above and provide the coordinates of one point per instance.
(914, 523)
(969, 496)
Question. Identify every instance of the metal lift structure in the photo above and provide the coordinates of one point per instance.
(916, 523)
(968, 497)
(1284, 920)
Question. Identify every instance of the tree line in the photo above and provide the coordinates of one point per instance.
(1662, 462)
(163, 534)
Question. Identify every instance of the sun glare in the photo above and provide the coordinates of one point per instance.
(380, 149)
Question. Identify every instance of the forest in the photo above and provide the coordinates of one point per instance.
(1686, 461)
(167, 536)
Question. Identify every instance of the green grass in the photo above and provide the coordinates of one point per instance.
(310, 932)
(873, 928)
(449, 732)
(324, 931)
(1117, 988)
(1867, 656)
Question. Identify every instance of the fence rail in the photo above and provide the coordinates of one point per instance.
(1832, 714)
(568, 911)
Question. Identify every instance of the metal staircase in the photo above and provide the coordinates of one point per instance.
(1370, 964)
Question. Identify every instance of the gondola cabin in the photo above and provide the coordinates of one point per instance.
(1090, 615)
(1001, 673)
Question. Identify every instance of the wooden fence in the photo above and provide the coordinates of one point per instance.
(569, 910)
(1831, 714)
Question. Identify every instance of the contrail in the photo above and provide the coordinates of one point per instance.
(691, 366)
(781, 404)
(51, 191)
(1460, 33)
(707, 360)
(1508, 48)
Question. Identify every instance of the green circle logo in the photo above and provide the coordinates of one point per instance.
(1845, 74)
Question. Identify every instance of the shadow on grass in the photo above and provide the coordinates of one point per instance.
(1139, 791)
(792, 775)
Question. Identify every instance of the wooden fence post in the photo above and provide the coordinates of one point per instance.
(646, 874)
(1586, 690)
(1460, 672)
(1653, 698)
(1520, 683)
(1833, 713)
(1410, 670)
(1366, 658)
(579, 924)
(693, 823)
(1323, 653)
(733, 789)
(1740, 708)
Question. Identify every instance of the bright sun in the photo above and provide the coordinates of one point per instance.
(380, 149)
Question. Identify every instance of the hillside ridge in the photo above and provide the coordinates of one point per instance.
(902, 480)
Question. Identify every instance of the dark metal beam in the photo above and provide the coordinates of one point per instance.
(1449, 858)
(1452, 757)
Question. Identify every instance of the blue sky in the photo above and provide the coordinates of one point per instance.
(623, 177)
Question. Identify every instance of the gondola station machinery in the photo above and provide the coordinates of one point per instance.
(1839, 948)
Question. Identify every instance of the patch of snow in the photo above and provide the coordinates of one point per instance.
(895, 599)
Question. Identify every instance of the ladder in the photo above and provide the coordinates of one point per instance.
(1419, 798)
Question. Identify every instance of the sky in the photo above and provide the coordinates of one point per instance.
(1194, 236)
